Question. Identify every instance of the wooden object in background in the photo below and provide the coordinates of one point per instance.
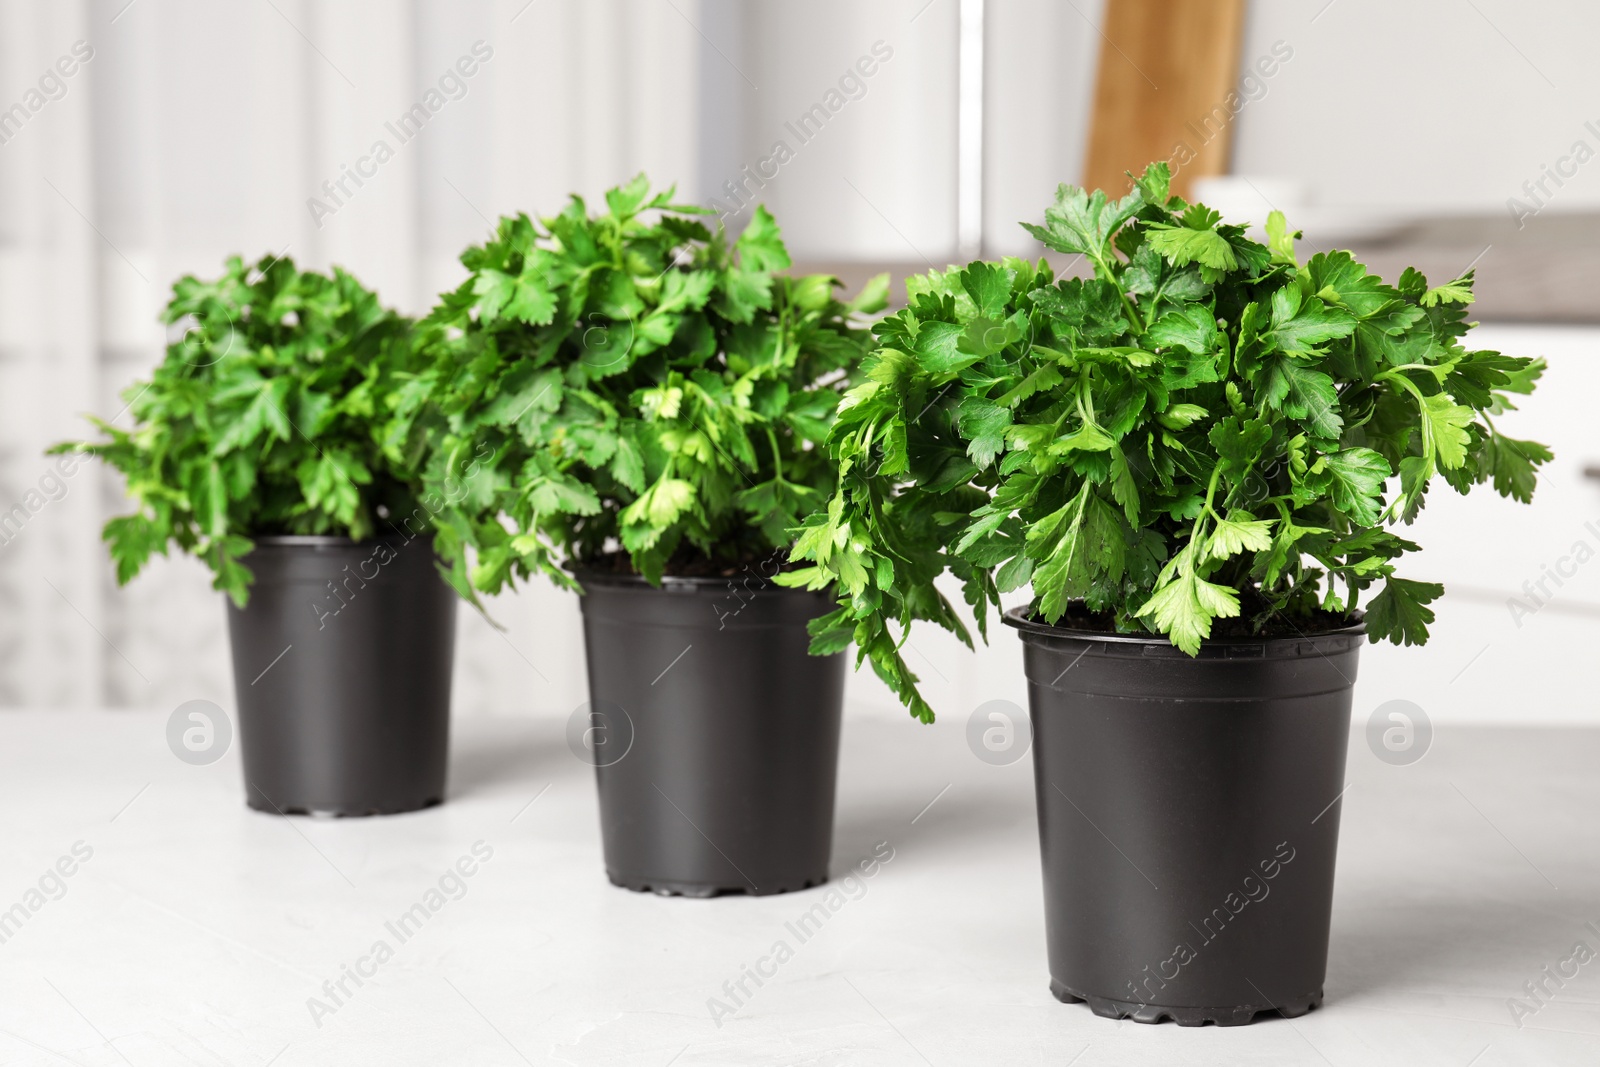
(1162, 91)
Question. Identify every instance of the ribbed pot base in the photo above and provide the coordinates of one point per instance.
(703, 890)
(1239, 1015)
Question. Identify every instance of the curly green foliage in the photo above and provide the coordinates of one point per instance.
(1205, 423)
(265, 417)
(628, 379)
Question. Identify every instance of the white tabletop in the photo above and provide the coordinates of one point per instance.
(198, 931)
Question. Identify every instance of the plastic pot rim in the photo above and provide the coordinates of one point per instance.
(676, 583)
(324, 540)
(1019, 618)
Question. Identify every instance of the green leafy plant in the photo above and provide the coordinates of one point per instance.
(628, 389)
(265, 417)
(1206, 429)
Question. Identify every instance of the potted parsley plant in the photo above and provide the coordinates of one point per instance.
(652, 400)
(257, 446)
(1195, 460)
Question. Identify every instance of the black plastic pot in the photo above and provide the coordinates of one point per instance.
(720, 734)
(1188, 818)
(341, 664)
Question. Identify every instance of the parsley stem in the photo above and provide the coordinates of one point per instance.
(1422, 407)
(777, 461)
(1211, 491)
(1192, 548)
(1103, 269)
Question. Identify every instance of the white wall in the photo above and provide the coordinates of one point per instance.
(198, 130)
(201, 129)
(877, 181)
(1039, 82)
(1428, 106)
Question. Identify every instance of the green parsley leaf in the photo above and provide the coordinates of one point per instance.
(1400, 613)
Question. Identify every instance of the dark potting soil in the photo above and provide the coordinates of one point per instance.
(692, 563)
(1253, 620)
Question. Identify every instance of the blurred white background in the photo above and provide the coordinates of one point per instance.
(199, 129)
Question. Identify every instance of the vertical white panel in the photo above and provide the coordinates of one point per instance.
(455, 180)
(176, 118)
(164, 104)
(1039, 91)
(873, 173)
(598, 95)
(664, 49)
(969, 130)
(276, 143)
(536, 119)
(68, 373)
(374, 111)
(725, 101)
(51, 648)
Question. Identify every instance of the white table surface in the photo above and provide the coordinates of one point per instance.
(198, 930)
